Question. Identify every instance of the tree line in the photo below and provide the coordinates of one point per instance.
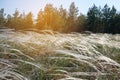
(103, 20)
(97, 20)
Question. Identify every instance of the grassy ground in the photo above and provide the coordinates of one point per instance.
(46, 55)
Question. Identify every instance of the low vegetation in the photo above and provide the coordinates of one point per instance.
(47, 55)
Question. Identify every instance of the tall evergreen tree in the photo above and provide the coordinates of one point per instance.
(81, 23)
(29, 20)
(40, 20)
(8, 21)
(62, 19)
(113, 15)
(94, 22)
(17, 21)
(2, 19)
(106, 17)
(115, 24)
(16, 14)
(51, 18)
(72, 17)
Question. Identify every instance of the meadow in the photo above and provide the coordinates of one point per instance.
(49, 55)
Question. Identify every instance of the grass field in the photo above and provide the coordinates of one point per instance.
(47, 55)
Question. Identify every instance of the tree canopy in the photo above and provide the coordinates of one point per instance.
(97, 20)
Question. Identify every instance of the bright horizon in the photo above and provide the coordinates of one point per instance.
(35, 5)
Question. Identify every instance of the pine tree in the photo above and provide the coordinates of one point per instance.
(2, 19)
(8, 21)
(40, 20)
(81, 23)
(62, 22)
(72, 17)
(94, 21)
(29, 20)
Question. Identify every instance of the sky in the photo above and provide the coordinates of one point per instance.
(35, 5)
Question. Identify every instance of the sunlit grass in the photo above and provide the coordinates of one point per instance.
(47, 55)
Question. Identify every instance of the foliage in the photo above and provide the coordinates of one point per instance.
(50, 18)
(2, 19)
(97, 20)
(29, 20)
(19, 21)
(103, 20)
(72, 17)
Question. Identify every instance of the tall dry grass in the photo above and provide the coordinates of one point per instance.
(47, 55)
